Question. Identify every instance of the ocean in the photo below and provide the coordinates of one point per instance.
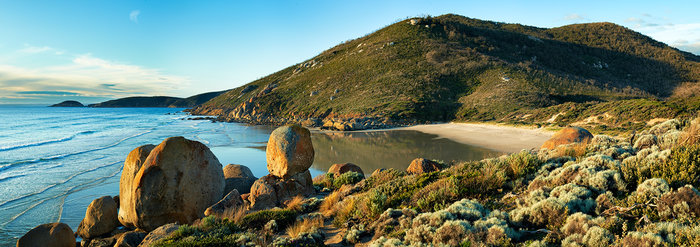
(55, 161)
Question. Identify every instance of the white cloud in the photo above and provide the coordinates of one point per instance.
(134, 15)
(34, 49)
(85, 76)
(574, 17)
(682, 36)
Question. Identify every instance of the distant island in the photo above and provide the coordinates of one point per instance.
(148, 101)
(69, 103)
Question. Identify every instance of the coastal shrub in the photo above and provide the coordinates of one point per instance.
(645, 141)
(437, 195)
(307, 225)
(598, 237)
(208, 231)
(634, 239)
(295, 203)
(664, 127)
(257, 220)
(329, 203)
(380, 177)
(522, 163)
(354, 234)
(681, 168)
(682, 204)
(637, 169)
(347, 178)
(651, 188)
(691, 134)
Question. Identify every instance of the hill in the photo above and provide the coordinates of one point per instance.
(68, 103)
(159, 101)
(454, 68)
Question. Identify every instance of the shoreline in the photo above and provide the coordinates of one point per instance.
(497, 137)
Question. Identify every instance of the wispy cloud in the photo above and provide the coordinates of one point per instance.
(574, 17)
(84, 76)
(134, 15)
(682, 36)
(34, 49)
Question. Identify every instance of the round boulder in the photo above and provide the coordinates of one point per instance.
(159, 233)
(338, 169)
(239, 178)
(270, 191)
(178, 180)
(289, 151)
(567, 136)
(421, 165)
(130, 239)
(100, 218)
(50, 235)
(132, 165)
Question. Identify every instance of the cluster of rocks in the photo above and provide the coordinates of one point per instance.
(180, 181)
(289, 155)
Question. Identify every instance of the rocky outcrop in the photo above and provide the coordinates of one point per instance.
(239, 178)
(159, 233)
(567, 136)
(69, 103)
(421, 165)
(100, 218)
(271, 191)
(338, 169)
(132, 165)
(130, 239)
(49, 235)
(178, 180)
(289, 151)
(231, 201)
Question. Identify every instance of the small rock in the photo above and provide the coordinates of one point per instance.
(231, 201)
(567, 136)
(238, 177)
(102, 242)
(421, 165)
(339, 169)
(100, 218)
(269, 191)
(130, 239)
(50, 235)
(159, 233)
(313, 93)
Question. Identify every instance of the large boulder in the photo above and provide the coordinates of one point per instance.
(159, 233)
(130, 239)
(239, 178)
(178, 180)
(567, 136)
(338, 169)
(132, 165)
(289, 151)
(49, 235)
(421, 165)
(232, 201)
(270, 191)
(100, 218)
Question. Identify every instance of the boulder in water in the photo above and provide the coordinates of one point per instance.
(289, 151)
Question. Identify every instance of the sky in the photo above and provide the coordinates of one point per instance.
(93, 51)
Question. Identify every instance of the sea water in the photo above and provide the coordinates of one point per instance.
(55, 161)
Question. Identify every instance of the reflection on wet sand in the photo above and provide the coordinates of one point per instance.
(388, 149)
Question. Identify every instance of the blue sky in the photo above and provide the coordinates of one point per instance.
(97, 50)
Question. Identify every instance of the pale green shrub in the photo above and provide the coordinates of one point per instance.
(651, 188)
(645, 141)
(598, 237)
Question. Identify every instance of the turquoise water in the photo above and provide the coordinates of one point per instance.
(55, 161)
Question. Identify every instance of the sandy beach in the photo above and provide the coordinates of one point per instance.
(501, 138)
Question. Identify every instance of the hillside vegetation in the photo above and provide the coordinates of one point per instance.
(452, 67)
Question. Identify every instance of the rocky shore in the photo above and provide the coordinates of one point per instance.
(576, 190)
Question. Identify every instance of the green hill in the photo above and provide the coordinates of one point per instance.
(452, 67)
(159, 101)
